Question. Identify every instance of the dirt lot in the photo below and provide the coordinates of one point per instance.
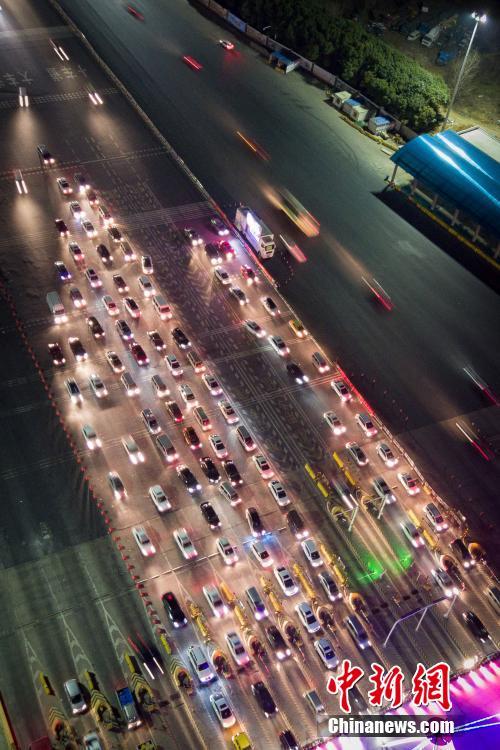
(478, 101)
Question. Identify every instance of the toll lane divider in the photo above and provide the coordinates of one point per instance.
(7, 727)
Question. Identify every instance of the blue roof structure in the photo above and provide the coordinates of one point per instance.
(457, 171)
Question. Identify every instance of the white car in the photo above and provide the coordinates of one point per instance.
(357, 453)
(237, 649)
(110, 305)
(174, 365)
(117, 486)
(64, 186)
(386, 455)
(187, 395)
(93, 278)
(325, 651)
(279, 345)
(227, 551)
(262, 466)
(217, 446)
(409, 482)
(222, 710)
(445, 583)
(365, 423)
(228, 412)
(341, 389)
(135, 455)
(143, 541)
(334, 423)
(91, 440)
(222, 276)
(91, 741)
(261, 554)
(286, 581)
(152, 424)
(76, 210)
(254, 328)
(75, 696)
(159, 498)
(185, 544)
(239, 295)
(215, 600)
(212, 384)
(307, 617)
(147, 264)
(97, 386)
(89, 229)
(310, 549)
(278, 492)
(270, 306)
(146, 286)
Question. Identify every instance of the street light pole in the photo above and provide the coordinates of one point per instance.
(479, 18)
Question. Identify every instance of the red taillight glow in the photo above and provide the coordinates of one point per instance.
(192, 62)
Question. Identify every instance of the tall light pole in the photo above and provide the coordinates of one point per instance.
(479, 18)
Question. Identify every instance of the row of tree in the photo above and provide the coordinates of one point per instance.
(413, 94)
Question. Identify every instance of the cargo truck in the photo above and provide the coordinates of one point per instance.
(56, 307)
(255, 232)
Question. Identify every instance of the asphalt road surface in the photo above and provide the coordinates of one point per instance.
(71, 604)
(408, 362)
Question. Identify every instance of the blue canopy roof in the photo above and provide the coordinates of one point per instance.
(458, 171)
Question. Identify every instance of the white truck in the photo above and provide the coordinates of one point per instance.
(56, 307)
(431, 36)
(255, 232)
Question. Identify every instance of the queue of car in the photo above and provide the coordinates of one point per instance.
(226, 475)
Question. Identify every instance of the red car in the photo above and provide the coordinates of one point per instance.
(139, 354)
(192, 62)
(226, 249)
(134, 12)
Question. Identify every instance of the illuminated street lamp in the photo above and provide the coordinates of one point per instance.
(479, 18)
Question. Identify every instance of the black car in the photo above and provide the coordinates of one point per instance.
(77, 348)
(213, 254)
(82, 182)
(192, 236)
(104, 254)
(62, 271)
(271, 305)
(209, 469)
(219, 226)
(45, 155)
(123, 329)
(173, 409)
(232, 473)
(57, 355)
(476, 626)
(188, 479)
(95, 327)
(287, 740)
(358, 704)
(180, 338)
(277, 642)
(210, 516)
(148, 655)
(191, 438)
(253, 518)
(157, 341)
(460, 549)
(120, 283)
(61, 227)
(296, 372)
(174, 610)
(115, 234)
(264, 698)
(296, 524)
